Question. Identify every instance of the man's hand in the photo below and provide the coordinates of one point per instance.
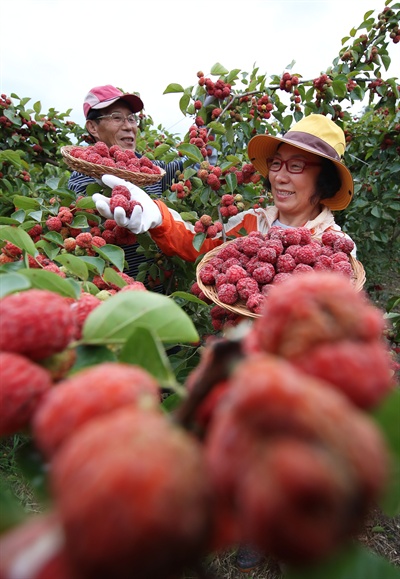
(141, 220)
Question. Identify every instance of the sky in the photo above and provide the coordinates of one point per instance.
(55, 51)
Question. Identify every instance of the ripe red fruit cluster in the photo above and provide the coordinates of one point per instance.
(206, 225)
(121, 197)
(100, 154)
(291, 478)
(322, 83)
(323, 326)
(288, 81)
(246, 269)
(73, 403)
(220, 89)
(35, 325)
(199, 137)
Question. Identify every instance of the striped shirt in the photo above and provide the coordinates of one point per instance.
(78, 183)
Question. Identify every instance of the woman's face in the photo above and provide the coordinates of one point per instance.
(111, 132)
(292, 191)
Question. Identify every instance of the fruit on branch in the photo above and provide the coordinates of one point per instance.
(22, 387)
(322, 325)
(133, 495)
(288, 477)
(87, 394)
(35, 323)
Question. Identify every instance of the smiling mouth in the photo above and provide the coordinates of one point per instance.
(284, 193)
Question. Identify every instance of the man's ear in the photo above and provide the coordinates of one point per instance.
(92, 128)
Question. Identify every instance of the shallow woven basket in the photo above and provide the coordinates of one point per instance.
(97, 171)
(358, 280)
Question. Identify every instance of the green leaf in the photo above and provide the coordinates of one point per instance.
(339, 88)
(11, 157)
(144, 349)
(184, 103)
(115, 320)
(25, 202)
(218, 69)
(198, 240)
(91, 356)
(171, 402)
(74, 264)
(386, 415)
(9, 221)
(217, 127)
(386, 60)
(86, 203)
(50, 249)
(19, 215)
(43, 279)
(161, 150)
(231, 182)
(191, 151)
(173, 87)
(18, 237)
(79, 222)
(54, 237)
(12, 282)
(95, 264)
(111, 276)
(113, 254)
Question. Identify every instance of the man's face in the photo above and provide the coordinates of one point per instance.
(112, 132)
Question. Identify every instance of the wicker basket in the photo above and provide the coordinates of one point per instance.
(97, 171)
(358, 280)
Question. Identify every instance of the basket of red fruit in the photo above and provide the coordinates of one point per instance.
(98, 160)
(238, 274)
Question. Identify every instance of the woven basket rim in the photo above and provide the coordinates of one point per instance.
(358, 280)
(97, 171)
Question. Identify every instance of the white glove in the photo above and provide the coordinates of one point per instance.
(141, 220)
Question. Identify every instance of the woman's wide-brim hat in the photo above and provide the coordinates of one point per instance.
(316, 134)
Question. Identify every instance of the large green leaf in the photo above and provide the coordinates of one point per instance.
(191, 151)
(18, 237)
(113, 254)
(116, 318)
(74, 264)
(12, 282)
(173, 87)
(43, 279)
(144, 349)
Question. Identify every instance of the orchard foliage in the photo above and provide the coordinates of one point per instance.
(227, 108)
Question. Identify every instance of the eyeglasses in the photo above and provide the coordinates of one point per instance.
(119, 118)
(297, 166)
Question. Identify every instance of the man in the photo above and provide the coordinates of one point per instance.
(111, 118)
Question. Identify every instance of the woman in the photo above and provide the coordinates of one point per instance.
(303, 169)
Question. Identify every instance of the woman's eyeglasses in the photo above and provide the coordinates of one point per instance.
(119, 118)
(297, 166)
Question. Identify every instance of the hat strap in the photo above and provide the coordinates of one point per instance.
(313, 142)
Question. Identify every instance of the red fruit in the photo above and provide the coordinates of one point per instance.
(307, 310)
(360, 370)
(121, 190)
(36, 323)
(81, 308)
(133, 496)
(23, 384)
(295, 466)
(87, 394)
(84, 240)
(119, 201)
